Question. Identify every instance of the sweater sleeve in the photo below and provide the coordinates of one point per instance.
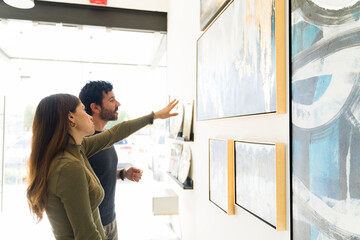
(73, 189)
(115, 134)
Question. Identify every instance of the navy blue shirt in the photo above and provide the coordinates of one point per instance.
(104, 164)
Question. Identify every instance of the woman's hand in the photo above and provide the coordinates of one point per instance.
(165, 112)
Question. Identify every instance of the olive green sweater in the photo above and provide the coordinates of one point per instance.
(72, 208)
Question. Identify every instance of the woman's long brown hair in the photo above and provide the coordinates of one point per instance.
(50, 136)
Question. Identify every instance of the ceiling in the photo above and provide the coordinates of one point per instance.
(30, 40)
(147, 5)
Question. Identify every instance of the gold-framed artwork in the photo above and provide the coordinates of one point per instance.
(221, 174)
(260, 181)
(241, 61)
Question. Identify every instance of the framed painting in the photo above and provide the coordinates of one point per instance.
(209, 9)
(325, 119)
(260, 181)
(185, 163)
(221, 174)
(175, 155)
(188, 121)
(176, 123)
(241, 61)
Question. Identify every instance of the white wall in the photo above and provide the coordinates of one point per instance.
(201, 219)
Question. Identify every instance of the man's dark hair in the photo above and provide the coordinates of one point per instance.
(92, 92)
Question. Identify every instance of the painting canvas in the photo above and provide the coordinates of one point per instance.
(188, 121)
(209, 9)
(221, 174)
(240, 71)
(176, 123)
(325, 119)
(259, 182)
(175, 155)
(185, 163)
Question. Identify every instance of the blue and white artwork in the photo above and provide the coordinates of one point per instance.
(255, 179)
(218, 173)
(236, 63)
(325, 85)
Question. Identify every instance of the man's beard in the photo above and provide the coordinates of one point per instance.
(108, 115)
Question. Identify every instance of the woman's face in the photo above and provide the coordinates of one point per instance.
(84, 122)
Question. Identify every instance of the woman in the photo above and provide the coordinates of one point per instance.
(61, 180)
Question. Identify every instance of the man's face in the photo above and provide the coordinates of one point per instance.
(109, 107)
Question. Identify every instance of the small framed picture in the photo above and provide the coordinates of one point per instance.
(221, 174)
(260, 181)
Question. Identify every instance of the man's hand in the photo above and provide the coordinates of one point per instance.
(165, 112)
(133, 174)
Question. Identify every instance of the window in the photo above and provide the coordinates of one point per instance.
(48, 58)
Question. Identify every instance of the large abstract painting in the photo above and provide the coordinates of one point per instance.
(241, 61)
(260, 181)
(221, 174)
(325, 83)
(209, 9)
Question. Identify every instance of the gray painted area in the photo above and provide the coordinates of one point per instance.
(325, 17)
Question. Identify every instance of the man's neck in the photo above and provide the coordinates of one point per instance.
(99, 123)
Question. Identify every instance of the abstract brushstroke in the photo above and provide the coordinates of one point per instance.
(322, 215)
(325, 86)
(335, 4)
(325, 14)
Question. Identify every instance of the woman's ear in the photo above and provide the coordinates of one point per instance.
(95, 108)
(71, 117)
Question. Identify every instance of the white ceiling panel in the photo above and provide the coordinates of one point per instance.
(47, 41)
(146, 5)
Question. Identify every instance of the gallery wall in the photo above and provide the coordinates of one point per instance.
(199, 217)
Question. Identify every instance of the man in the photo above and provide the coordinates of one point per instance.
(99, 101)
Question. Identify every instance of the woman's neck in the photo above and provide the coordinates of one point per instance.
(77, 140)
